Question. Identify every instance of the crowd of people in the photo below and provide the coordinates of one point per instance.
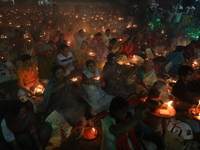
(98, 59)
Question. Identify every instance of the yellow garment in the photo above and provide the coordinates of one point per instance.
(27, 78)
(82, 55)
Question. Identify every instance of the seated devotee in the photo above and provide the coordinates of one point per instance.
(92, 83)
(114, 78)
(99, 47)
(128, 47)
(40, 42)
(158, 66)
(189, 50)
(158, 96)
(147, 74)
(54, 47)
(115, 46)
(27, 76)
(107, 37)
(66, 58)
(30, 49)
(21, 131)
(120, 129)
(60, 41)
(80, 38)
(83, 54)
(187, 88)
(46, 63)
(62, 94)
(174, 60)
(8, 82)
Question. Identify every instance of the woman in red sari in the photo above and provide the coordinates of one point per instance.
(128, 47)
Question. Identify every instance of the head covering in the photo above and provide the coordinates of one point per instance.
(88, 73)
(47, 47)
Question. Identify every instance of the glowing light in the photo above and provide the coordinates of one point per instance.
(169, 103)
(96, 78)
(74, 79)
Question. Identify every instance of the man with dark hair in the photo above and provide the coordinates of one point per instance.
(186, 88)
(107, 37)
(27, 76)
(66, 58)
(189, 53)
(80, 38)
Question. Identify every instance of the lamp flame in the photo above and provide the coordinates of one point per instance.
(169, 103)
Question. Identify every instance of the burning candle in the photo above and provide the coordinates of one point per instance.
(91, 54)
(169, 103)
(96, 78)
(128, 64)
(135, 25)
(120, 62)
(93, 130)
(162, 31)
(74, 79)
(120, 40)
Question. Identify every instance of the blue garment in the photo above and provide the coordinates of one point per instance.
(175, 58)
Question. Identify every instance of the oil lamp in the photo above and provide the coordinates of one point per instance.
(74, 79)
(39, 90)
(96, 78)
(90, 133)
(92, 54)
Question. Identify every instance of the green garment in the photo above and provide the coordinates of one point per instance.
(45, 65)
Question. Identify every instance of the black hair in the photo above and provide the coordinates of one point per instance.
(117, 104)
(63, 46)
(184, 70)
(110, 56)
(89, 61)
(81, 30)
(25, 57)
(159, 59)
(98, 34)
(15, 107)
(107, 30)
(193, 42)
(50, 42)
(113, 40)
(180, 48)
(55, 68)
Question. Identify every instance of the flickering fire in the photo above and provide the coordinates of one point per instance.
(90, 133)
(91, 54)
(74, 79)
(93, 130)
(169, 103)
(135, 25)
(96, 78)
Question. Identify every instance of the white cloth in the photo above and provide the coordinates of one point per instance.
(106, 39)
(4, 71)
(79, 40)
(60, 57)
(97, 98)
(7, 134)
